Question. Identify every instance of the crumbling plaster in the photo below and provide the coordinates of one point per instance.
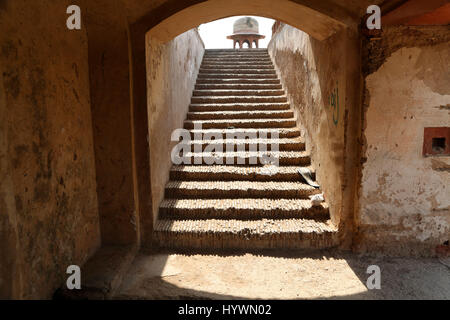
(404, 200)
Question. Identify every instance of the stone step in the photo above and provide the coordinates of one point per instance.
(236, 50)
(236, 76)
(284, 158)
(236, 53)
(234, 173)
(264, 114)
(233, 63)
(263, 133)
(237, 99)
(222, 81)
(244, 189)
(239, 71)
(241, 55)
(235, 66)
(238, 86)
(240, 208)
(228, 60)
(242, 58)
(207, 93)
(207, 107)
(239, 123)
(251, 234)
(291, 144)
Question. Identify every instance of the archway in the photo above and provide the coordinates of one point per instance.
(169, 20)
(109, 54)
(319, 22)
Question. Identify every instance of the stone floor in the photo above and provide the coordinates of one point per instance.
(290, 275)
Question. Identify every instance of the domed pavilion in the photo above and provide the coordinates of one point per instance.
(246, 30)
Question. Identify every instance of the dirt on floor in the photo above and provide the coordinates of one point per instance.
(284, 275)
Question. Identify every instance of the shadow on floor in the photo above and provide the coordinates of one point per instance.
(121, 273)
(281, 274)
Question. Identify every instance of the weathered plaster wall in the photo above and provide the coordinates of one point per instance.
(172, 70)
(405, 197)
(322, 86)
(109, 77)
(48, 203)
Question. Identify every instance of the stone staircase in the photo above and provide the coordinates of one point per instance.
(242, 206)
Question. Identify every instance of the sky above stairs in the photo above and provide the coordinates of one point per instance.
(214, 34)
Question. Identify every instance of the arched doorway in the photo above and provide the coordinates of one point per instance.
(164, 23)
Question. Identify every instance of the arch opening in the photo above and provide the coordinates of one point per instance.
(320, 25)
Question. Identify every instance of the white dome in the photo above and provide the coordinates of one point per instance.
(246, 25)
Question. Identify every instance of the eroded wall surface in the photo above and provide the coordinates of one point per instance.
(109, 77)
(405, 197)
(172, 70)
(316, 76)
(48, 203)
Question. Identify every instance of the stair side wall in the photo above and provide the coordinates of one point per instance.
(172, 70)
(314, 75)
